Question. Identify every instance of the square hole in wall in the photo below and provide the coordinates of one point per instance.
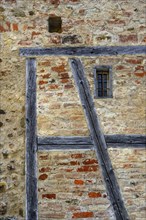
(55, 24)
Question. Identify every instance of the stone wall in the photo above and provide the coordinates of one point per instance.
(70, 181)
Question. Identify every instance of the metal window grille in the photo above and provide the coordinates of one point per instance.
(103, 82)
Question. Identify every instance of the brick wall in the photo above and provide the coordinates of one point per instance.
(70, 181)
(70, 184)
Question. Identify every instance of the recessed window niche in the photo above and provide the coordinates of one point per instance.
(55, 24)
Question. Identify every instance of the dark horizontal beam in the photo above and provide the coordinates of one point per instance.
(85, 147)
(84, 143)
(75, 140)
(126, 139)
(83, 51)
(64, 147)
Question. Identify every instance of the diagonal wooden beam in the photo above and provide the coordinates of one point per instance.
(98, 140)
(31, 144)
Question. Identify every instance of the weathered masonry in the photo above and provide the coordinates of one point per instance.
(96, 140)
(106, 40)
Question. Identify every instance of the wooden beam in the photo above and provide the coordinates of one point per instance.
(77, 142)
(31, 145)
(64, 140)
(126, 139)
(61, 147)
(64, 147)
(98, 140)
(83, 51)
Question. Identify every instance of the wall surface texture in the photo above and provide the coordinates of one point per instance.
(70, 184)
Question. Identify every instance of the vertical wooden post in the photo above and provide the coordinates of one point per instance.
(31, 145)
(98, 141)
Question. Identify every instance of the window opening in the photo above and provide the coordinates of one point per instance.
(103, 82)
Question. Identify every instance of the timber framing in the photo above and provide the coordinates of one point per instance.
(96, 141)
(85, 143)
(31, 144)
(83, 51)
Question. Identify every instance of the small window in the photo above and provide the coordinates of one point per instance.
(55, 24)
(103, 82)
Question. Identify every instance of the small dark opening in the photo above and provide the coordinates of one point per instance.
(55, 24)
(102, 84)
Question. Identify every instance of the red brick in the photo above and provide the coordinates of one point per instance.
(43, 176)
(74, 0)
(68, 86)
(82, 11)
(128, 38)
(77, 156)
(54, 216)
(134, 61)
(139, 68)
(34, 33)
(53, 86)
(128, 165)
(45, 63)
(46, 76)
(11, 1)
(74, 163)
(87, 169)
(144, 39)
(79, 182)
(116, 21)
(55, 2)
(2, 29)
(83, 215)
(140, 74)
(62, 163)
(42, 71)
(69, 170)
(90, 161)
(15, 27)
(126, 13)
(64, 81)
(137, 82)
(120, 67)
(43, 157)
(6, 26)
(63, 75)
(25, 42)
(25, 27)
(42, 82)
(94, 194)
(59, 69)
(49, 196)
(55, 39)
(44, 169)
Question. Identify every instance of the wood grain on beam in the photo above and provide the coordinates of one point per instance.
(80, 140)
(31, 145)
(83, 51)
(63, 147)
(98, 141)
